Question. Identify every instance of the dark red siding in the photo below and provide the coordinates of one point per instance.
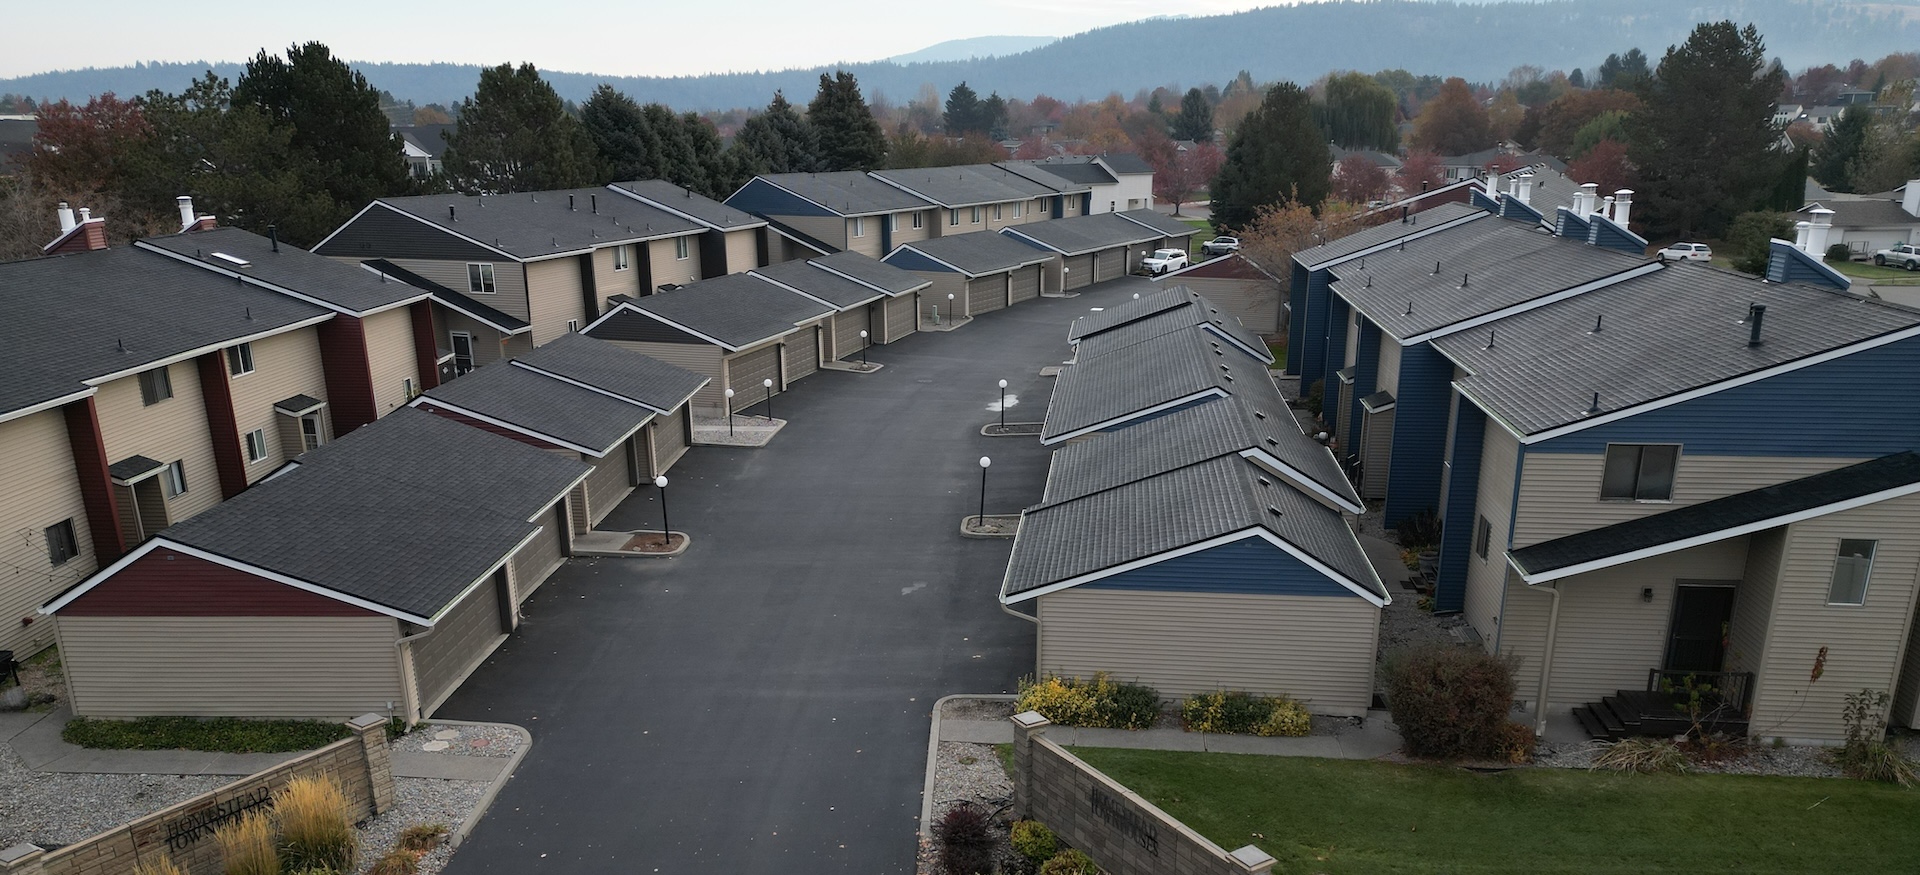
(426, 351)
(483, 425)
(96, 485)
(349, 373)
(164, 583)
(217, 395)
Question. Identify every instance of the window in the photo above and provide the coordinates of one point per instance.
(893, 222)
(1016, 210)
(859, 226)
(1482, 537)
(953, 217)
(679, 248)
(240, 359)
(973, 215)
(1637, 472)
(155, 386)
(480, 279)
(622, 257)
(257, 445)
(996, 212)
(919, 220)
(310, 435)
(1850, 571)
(176, 479)
(406, 386)
(61, 544)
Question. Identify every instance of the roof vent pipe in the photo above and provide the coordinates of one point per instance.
(273, 236)
(1490, 333)
(1595, 406)
(569, 203)
(593, 201)
(186, 211)
(66, 217)
(86, 215)
(1436, 268)
(1588, 200)
(1463, 281)
(1404, 213)
(1755, 314)
(1597, 319)
(451, 217)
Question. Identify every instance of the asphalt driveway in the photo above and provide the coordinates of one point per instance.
(760, 704)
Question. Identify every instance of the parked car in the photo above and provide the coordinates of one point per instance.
(1221, 245)
(1164, 260)
(1686, 252)
(1905, 255)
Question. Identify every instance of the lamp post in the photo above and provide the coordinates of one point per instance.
(767, 384)
(1003, 405)
(666, 529)
(952, 313)
(729, 411)
(984, 464)
(863, 349)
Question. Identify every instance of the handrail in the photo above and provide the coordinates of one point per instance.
(1733, 688)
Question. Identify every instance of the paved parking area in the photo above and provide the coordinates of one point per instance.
(760, 705)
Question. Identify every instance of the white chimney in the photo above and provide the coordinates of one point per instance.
(1588, 200)
(66, 217)
(1523, 188)
(1493, 183)
(1622, 205)
(1800, 231)
(1911, 203)
(86, 215)
(186, 211)
(1817, 235)
(1606, 206)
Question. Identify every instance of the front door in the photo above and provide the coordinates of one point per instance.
(462, 352)
(1697, 637)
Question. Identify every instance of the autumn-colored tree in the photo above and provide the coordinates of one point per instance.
(1453, 122)
(1420, 172)
(432, 114)
(1178, 174)
(1566, 115)
(1357, 179)
(1032, 147)
(83, 148)
(1277, 231)
(1606, 165)
(1503, 118)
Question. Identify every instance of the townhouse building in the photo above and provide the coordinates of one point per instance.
(833, 212)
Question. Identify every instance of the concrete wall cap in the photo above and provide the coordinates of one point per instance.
(16, 853)
(1030, 720)
(1254, 859)
(366, 721)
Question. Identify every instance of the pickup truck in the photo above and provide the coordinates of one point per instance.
(1221, 245)
(1164, 260)
(1905, 255)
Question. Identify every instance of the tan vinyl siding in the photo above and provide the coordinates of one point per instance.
(868, 242)
(1753, 605)
(290, 667)
(41, 490)
(669, 436)
(847, 327)
(1348, 425)
(1560, 494)
(935, 296)
(831, 230)
(667, 268)
(905, 232)
(1006, 217)
(902, 317)
(700, 358)
(540, 556)
(461, 639)
(607, 485)
(608, 282)
(747, 372)
(743, 250)
(487, 345)
(286, 365)
(509, 283)
(1906, 701)
(1863, 642)
(1317, 649)
(553, 291)
(1499, 452)
(391, 356)
(1389, 372)
(174, 429)
(800, 354)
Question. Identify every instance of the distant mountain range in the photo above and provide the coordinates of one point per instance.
(973, 47)
(1480, 41)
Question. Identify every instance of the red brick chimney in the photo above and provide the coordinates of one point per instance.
(85, 235)
(189, 221)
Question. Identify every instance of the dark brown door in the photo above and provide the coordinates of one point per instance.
(1696, 640)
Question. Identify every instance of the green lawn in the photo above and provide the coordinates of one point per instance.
(1885, 276)
(1344, 816)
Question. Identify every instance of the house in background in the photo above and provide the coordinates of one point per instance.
(1868, 223)
(425, 148)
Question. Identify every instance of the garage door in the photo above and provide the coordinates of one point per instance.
(846, 331)
(1079, 272)
(986, 294)
(745, 372)
(669, 439)
(1111, 265)
(459, 642)
(900, 317)
(803, 353)
(1026, 284)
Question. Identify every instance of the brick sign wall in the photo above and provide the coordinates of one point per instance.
(184, 832)
(1122, 832)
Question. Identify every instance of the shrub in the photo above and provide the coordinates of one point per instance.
(1070, 862)
(1288, 718)
(396, 862)
(1748, 239)
(1033, 840)
(227, 734)
(1641, 755)
(1839, 252)
(1243, 713)
(1099, 703)
(966, 845)
(1418, 532)
(246, 846)
(1316, 397)
(315, 829)
(1450, 701)
(1516, 743)
(422, 838)
(1867, 755)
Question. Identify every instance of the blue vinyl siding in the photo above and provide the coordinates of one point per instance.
(1786, 264)
(908, 259)
(1853, 406)
(1512, 208)
(764, 198)
(1336, 356)
(1567, 225)
(1251, 566)
(1419, 432)
(1366, 375)
(1479, 199)
(1607, 235)
(1314, 356)
(1463, 484)
(1296, 319)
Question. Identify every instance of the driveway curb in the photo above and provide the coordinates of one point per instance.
(465, 828)
(933, 754)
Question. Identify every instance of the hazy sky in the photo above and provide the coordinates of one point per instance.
(649, 37)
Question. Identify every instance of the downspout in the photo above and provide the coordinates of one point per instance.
(408, 686)
(1546, 660)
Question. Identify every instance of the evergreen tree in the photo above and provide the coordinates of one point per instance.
(1834, 159)
(620, 134)
(514, 134)
(676, 157)
(1625, 72)
(1276, 155)
(993, 115)
(1577, 78)
(1195, 121)
(850, 139)
(963, 112)
(1359, 113)
(1790, 189)
(779, 140)
(1703, 140)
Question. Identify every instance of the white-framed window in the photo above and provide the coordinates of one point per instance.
(310, 434)
(859, 226)
(996, 212)
(480, 279)
(622, 257)
(953, 217)
(240, 359)
(973, 216)
(1639, 472)
(155, 386)
(919, 220)
(406, 385)
(893, 222)
(1482, 537)
(257, 445)
(1016, 210)
(61, 542)
(680, 248)
(176, 479)
(1851, 568)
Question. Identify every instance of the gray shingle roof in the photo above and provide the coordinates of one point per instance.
(1866, 213)
(1052, 177)
(1184, 506)
(979, 254)
(1078, 168)
(848, 192)
(1127, 163)
(634, 376)
(831, 287)
(738, 310)
(1394, 229)
(533, 225)
(1082, 234)
(1503, 262)
(454, 299)
(1157, 313)
(133, 467)
(1676, 329)
(542, 404)
(340, 285)
(679, 199)
(1552, 190)
(73, 318)
(871, 271)
(1137, 378)
(404, 512)
(1168, 226)
(964, 186)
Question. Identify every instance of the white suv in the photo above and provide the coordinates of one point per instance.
(1164, 260)
(1686, 252)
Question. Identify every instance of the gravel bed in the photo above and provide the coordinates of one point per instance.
(1792, 762)
(469, 741)
(419, 802)
(967, 773)
(51, 809)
